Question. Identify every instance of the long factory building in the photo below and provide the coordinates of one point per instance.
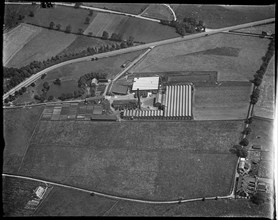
(178, 102)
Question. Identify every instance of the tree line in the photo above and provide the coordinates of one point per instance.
(187, 25)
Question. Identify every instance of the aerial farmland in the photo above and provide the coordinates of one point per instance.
(138, 109)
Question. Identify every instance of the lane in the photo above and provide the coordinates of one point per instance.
(91, 192)
(132, 49)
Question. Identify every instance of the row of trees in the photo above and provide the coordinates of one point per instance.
(188, 25)
(117, 37)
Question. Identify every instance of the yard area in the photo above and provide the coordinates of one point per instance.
(158, 11)
(141, 30)
(216, 16)
(18, 127)
(236, 58)
(229, 100)
(16, 39)
(153, 164)
(43, 46)
(265, 106)
(60, 15)
(132, 8)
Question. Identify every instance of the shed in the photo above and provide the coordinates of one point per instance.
(145, 83)
(119, 89)
(40, 192)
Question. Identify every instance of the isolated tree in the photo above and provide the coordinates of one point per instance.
(68, 29)
(244, 142)
(51, 25)
(57, 82)
(87, 20)
(130, 41)
(31, 14)
(235, 149)
(33, 84)
(258, 198)
(90, 33)
(247, 131)
(80, 30)
(23, 89)
(123, 45)
(105, 35)
(91, 13)
(50, 98)
(46, 85)
(242, 152)
(58, 27)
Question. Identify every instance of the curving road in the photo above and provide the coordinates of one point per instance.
(135, 48)
(174, 15)
(178, 201)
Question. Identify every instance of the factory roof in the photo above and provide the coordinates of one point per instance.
(145, 83)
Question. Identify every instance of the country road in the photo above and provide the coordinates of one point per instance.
(135, 48)
(178, 201)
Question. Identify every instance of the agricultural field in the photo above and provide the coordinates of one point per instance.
(132, 8)
(226, 101)
(13, 13)
(15, 196)
(67, 202)
(15, 40)
(158, 11)
(83, 42)
(216, 16)
(108, 157)
(258, 29)
(262, 134)
(265, 107)
(141, 30)
(60, 15)
(43, 46)
(236, 58)
(18, 128)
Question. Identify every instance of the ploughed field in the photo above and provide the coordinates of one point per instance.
(147, 160)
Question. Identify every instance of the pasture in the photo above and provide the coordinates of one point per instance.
(150, 160)
(132, 8)
(158, 11)
(229, 100)
(60, 15)
(141, 30)
(68, 202)
(16, 39)
(216, 16)
(18, 127)
(43, 46)
(265, 107)
(236, 58)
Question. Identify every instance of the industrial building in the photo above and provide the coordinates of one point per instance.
(143, 114)
(178, 102)
(145, 83)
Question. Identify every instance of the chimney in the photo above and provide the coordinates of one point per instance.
(138, 95)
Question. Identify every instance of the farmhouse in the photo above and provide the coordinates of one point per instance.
(145, 84)
(178, 102)
(40, 191)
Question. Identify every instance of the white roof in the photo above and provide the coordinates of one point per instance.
(146, 83)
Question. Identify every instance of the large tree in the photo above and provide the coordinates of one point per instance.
(105, 35)
(51, 25)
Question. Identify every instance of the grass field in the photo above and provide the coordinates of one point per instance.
(15, 195)
(265, 106)
(67, 202)
(18, 127)
(83, 42)
(236, 58)
(12, 13)
(15, 39)
(226, 101)
(108, 157)
(141, 30)
(215, 16)
(60, 15)
(132, 8)
(158, 11)
(259, 29)
(46, 44)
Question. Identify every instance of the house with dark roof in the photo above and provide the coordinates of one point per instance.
(119, 89)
